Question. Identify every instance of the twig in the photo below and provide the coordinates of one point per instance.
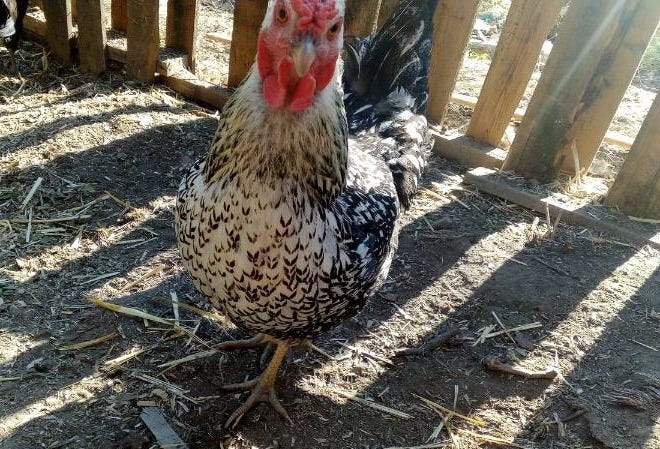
(645, 345)
(552, 267)
(504, 329)
(494, 364)
(524, 327)
(430, 345)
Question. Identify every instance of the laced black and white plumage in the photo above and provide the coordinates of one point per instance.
(290, 222)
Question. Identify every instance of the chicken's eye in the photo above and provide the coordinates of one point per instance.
(334, 29)
(281, 15)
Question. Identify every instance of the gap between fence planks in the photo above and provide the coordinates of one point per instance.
(486, 181)
(91, 36)
(636, 190)
(453, 22)
(182, 29)
(525, 30)
(143, 40)
(119, 15)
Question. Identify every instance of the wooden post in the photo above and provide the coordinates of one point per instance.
(517, 53)
(571, 86)
(59, 29)
(361, 17)
(119, 15)
(386, 9)
(143, 40)
(636, 190)
(248, 16)
(453, 22)
(182, 28)
(91, 36)
(634, 31)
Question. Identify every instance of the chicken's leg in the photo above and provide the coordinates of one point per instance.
(262, 388)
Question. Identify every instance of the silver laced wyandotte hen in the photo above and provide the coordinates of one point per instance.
(12, 13)
(289, 224)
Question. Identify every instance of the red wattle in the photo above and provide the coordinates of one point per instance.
(265, 62)
(324, 75)
(274, 93)
(303, 96)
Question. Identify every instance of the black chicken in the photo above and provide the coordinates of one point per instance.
(12, 13)
(289, 223)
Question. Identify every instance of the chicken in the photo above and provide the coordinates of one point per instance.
(289, 224)
(12, 13)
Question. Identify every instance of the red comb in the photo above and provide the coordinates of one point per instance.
(313, 15)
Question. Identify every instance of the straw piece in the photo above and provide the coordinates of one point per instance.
(190, 358)
(32, 191)
(88, 343)
(491, 439)
(375, 406)
(174, 389)
(433, 405)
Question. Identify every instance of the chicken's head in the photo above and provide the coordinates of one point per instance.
(298, 48)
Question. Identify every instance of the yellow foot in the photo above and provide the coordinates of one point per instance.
(263, 389)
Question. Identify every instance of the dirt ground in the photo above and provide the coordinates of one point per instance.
(110, 154)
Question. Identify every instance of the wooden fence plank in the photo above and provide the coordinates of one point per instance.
(524, 33)
(182, 28)
(361, 17)
(248, 16)
(635, 28)
(119, 15)
(453, 21)
(91, 36)
(143, 40)
(386, 9)
(636, 190)
(582, 51)
(59, 28)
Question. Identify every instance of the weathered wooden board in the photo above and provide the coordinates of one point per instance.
(636, 190)
(91, 36)
(453, 21)
(517, 53)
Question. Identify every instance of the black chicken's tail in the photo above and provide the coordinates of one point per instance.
(386, 90)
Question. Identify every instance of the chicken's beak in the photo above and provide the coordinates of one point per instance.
(303, 56)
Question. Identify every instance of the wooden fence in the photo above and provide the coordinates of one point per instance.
(598, 49)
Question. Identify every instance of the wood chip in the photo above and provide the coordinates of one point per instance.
(158, 425)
